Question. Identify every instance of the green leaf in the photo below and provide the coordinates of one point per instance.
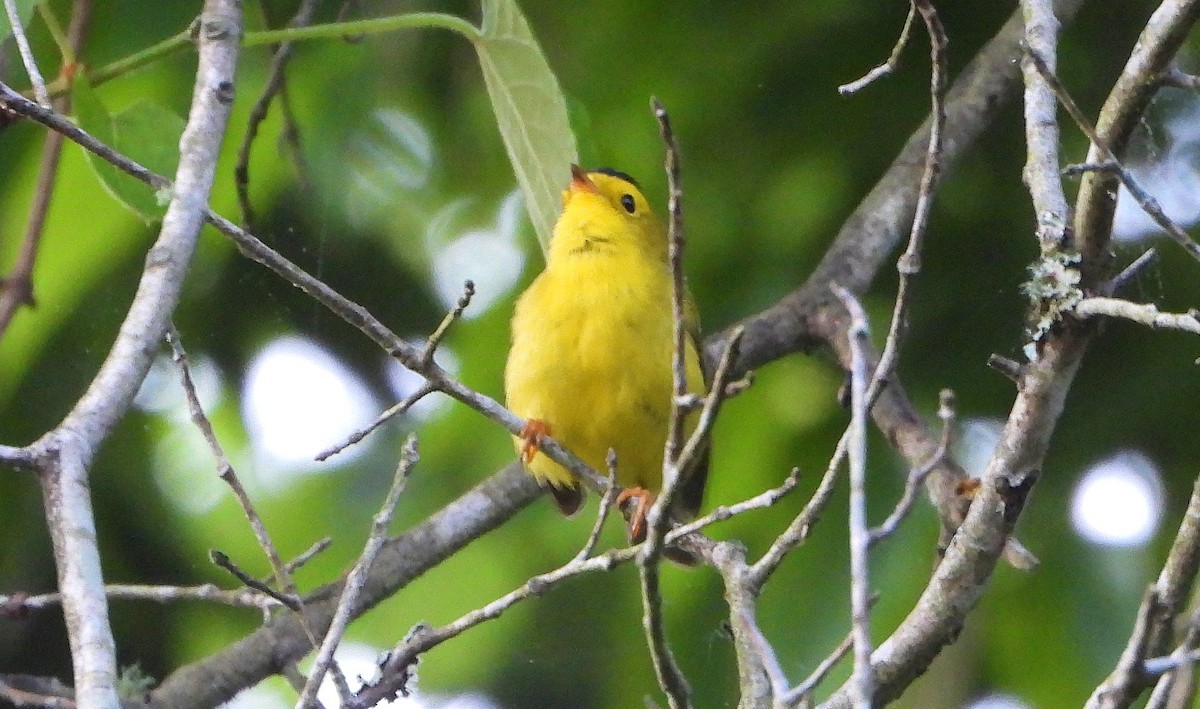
(24, 12)
(530, 111)
(145, 132)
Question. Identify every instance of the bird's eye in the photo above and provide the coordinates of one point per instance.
(627, 202)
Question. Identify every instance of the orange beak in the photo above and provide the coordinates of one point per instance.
(580, 182)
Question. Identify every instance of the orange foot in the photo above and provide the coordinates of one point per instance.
(532, 434)
(637, 518)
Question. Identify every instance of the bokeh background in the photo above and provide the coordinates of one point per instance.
(407, 191)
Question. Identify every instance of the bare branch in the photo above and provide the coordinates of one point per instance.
(1133, 270)
(670, 677)
(63, 456)
(1130, 676)
(889, 66)
(606, 503)
(355, 581)
(1153, 53)
(1041, 173)
(863, 679)
(1146, 314)
(909, 263)
(240, 598)
(916, 477)
(455, 313)
(1113, 166)
(221, 559)
(258, 113)
(31, 67)
(16, 289)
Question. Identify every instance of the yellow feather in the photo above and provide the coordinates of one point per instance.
(592, 337)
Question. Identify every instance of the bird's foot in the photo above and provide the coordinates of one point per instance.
(642, 500)
(532, 434)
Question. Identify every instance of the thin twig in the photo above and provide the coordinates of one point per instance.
(222, 560)
(240, 598)
(258, 113)
(31, 68)
(909, 264)
(425, 389)
(1148, 204)
(798, 530)
(1178, 687)
(724, 512)
(307, 555)
(355, 581)
(916, 477)
(443, 327)
(666, 669)
(676, 242)
(392, 412)
(888, 66)
(227, 473)
(16, 289)
(1148, 258)
(863, 682)
(1146, 314)
(800, 693)
(606, 502)
(1121, 687)
(802, 690)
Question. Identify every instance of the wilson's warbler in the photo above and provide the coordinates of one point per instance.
(590, 363)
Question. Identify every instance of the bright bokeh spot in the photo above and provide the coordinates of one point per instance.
(490, 257)
(998, 701)
(358, 661)
(299, 400)
(1172, 179)
(975, 443)
(393, 153)
(1118, 502)
(186, 471)
(162, 391)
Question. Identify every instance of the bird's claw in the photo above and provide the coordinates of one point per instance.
(637, 517)
(532, 434)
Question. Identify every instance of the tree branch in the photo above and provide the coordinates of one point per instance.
(64, 455)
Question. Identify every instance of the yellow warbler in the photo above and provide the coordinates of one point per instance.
(590, 363)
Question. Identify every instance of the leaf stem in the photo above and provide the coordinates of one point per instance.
(374, 25)
(57, 33)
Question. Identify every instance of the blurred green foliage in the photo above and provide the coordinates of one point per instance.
(773, 160)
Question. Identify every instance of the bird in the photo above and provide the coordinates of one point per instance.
(590, 363)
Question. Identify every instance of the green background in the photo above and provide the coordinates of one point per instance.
(774, 159)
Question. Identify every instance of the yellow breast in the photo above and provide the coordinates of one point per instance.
(592, 348)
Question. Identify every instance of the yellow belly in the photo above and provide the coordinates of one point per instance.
(591, 357)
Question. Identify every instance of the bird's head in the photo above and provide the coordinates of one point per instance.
(604, 210)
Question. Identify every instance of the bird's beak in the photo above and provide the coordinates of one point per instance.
(580, 182)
